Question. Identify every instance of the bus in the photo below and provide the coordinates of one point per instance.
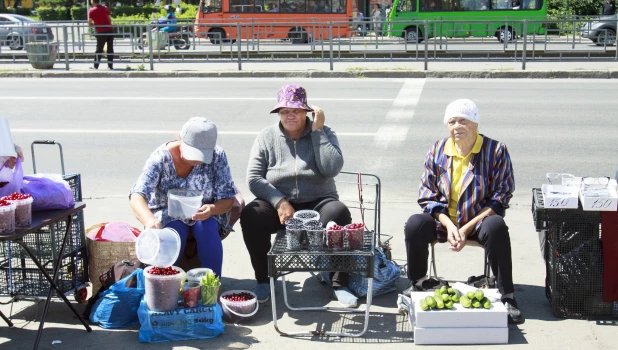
(465, 18)
(297, 20)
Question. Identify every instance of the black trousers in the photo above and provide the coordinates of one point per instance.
(102, 39)
(259, 220)
(493, 235)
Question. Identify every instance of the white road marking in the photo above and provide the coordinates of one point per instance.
(180, 98)
(400, 115)
(172, 132)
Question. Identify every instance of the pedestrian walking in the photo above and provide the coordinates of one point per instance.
(361, 23)
(99, 17)
(376, 15)
(609, 8)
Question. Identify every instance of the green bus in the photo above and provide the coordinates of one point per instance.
(465, 18)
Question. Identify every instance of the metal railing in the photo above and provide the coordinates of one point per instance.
(586, 39)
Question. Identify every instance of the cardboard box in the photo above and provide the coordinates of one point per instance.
(425, 336)
(458, 316)
(592, 203)
(559, 196)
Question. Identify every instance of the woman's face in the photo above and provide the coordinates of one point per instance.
(293, 119)
(462, 130)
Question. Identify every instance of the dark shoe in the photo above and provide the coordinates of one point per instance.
(412, 287)
(110, 67)
(515, 316)
(95, 67)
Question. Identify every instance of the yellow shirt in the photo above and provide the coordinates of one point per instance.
(458, 171)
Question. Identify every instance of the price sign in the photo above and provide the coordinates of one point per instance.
(559, 203)
(601, 203)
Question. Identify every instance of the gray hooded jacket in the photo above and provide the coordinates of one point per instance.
(300, 171)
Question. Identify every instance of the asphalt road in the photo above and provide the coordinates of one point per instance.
(108, 127)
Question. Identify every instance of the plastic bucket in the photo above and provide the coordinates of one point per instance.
(23, 211)
(7, 218)
(195, 275)
(158, 247)
(182, 204)
(307, 215)
(162, 292)
(238, 311)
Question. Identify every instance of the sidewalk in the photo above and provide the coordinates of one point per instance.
(361, 69)
(386, 327)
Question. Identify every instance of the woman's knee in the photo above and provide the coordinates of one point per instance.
(335, 211)
(419, 226)
(495, 228)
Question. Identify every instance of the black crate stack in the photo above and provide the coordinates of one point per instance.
(571, 245)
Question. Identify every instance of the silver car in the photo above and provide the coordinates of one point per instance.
(601, 31)
(17, 30)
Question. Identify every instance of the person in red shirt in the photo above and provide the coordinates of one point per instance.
(99, 17)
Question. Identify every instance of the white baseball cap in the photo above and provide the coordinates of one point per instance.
(7, 148)
(198, 140)
(462, 108)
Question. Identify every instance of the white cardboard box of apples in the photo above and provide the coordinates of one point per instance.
(484, 324)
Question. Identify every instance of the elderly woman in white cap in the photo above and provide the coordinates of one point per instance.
(193, 162)
(465, 189)
(292, 167)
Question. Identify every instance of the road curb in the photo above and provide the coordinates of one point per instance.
(402, 73)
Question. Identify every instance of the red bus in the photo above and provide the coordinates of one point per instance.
(297, 20)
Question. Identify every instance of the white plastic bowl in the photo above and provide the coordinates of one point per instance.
(159, 248)
(182, 204)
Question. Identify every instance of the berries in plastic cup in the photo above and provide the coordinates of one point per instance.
(294, 239)
(23, 211)
(7, 217)
(354, 235)
(191, 295)
(315, 239)
(23, 207)
(334, 239)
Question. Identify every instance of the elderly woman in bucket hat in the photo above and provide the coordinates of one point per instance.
(464, 192)
(193, 162)
(292, 166)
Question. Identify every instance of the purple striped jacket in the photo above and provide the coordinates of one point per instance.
(489, 182)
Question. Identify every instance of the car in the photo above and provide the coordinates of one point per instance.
(601, 31)
(17, 30)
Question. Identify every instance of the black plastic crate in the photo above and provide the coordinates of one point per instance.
(24, 279)
(572, 248)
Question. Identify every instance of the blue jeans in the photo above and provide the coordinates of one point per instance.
(209, 247)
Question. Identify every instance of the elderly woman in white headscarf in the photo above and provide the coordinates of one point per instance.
(464, 191)
(9, 153)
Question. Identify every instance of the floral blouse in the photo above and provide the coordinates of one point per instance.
(159, 176)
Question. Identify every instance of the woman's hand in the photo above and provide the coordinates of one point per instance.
(454, 237)
(318, 118)
(204, 213)
(153, 223)
(285, 211)
(12, 160)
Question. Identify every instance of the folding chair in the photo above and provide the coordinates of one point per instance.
(432, 259)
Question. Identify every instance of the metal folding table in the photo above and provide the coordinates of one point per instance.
(39, 220)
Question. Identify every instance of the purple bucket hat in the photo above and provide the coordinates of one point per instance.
(292, 96)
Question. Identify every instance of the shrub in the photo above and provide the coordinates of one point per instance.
(79, 13)
(47, 13)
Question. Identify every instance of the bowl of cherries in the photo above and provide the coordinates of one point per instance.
(238, 305)
(354, 234)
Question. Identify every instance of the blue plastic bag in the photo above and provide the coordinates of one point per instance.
(200, 322)
(385, 276)
(48, 193)
(117, 307)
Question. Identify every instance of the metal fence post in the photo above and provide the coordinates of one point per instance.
(252, 34)
(330, 42)
(523, 51)
(573, 46)
(149, 46)
(66, 46)
(426, 48)
(238, 46)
